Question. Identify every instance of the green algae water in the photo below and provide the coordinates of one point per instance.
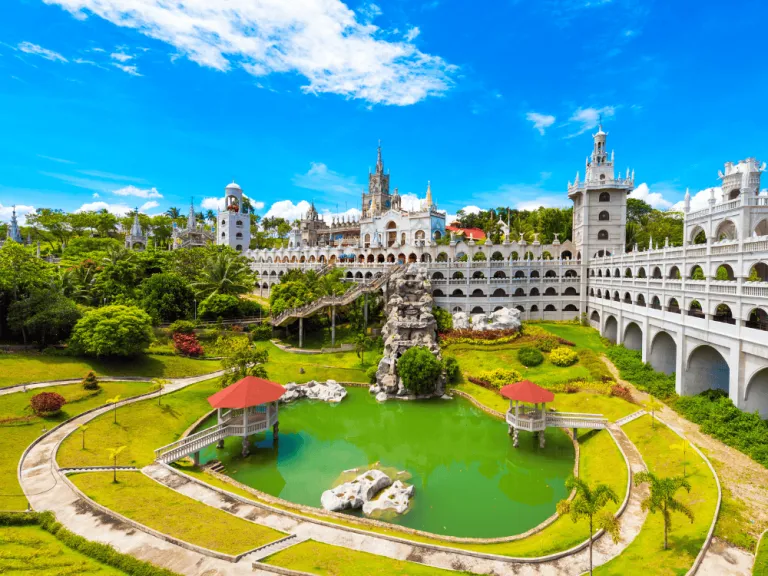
(469, 479)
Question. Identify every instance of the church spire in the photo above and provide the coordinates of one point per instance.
(136, 228)
(13, 230)
(379, 162)
(429, 195)
(191, 220)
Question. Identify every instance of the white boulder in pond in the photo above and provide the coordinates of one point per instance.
(330, 391)
(501, 319)
(356, 493)
(397, 497)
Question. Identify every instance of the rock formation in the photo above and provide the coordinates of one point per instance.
(410, 322)
(356, 493)
(501, 319)
(397, 497)
(330, 391)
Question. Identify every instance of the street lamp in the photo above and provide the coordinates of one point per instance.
(195, 300)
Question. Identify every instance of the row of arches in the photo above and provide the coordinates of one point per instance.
(501, 293)
(721, 271)
(727, 230)
(479, 256)
(533, 309)
(479, 274)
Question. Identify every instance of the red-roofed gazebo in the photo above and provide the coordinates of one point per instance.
(527, 391)
(250, 391)
(529, 419)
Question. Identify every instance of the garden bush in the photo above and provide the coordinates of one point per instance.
(187, 345)
(419, 369)
(593, 362)
(261, 331)
(167, 297)
(563, 356)
(632, 368)
(371, 374)
(182, 327)
(112, 331)
(248, 308)
(444, 319)
(497, 378)
(528, 356)
(480, 338)
(548, 343)
(47, 403)
(90, 382)
(219, 306)
(622, 392)
(452, 372)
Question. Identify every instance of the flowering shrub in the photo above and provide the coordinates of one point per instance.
(187, 344)
(563, 356)
(495, 379)
(485, 337)
(622, 392)
(529, 356)
(47, 403)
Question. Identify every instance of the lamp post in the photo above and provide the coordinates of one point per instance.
(195, 300)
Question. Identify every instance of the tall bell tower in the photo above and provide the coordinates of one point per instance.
(378, 189)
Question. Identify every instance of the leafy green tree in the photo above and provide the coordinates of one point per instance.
(662, 497)
(590, 502)
(224, 273)
(21, 274)
(166, 297)
(362, 343)
(51, 225)
(44, 317)
(90, 382)
(443, 318)
(173, 212)
(243, 360)
(112, 331)
(219, 306)
(419, 369)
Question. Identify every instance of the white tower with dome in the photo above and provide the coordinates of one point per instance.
(233, 227)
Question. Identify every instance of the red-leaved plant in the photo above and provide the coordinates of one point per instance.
(47, 403)
(187, 344)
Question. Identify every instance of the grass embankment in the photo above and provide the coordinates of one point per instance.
(582, 336)
(321, 337)
(19, 426)
(144, 500)
(23, 368)
(32, 550)
(761, 557)
(662, 451)
(286, 367)
(326, 560)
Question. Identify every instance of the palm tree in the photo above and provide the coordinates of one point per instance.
(589, 503)
(224, 273)
(362, 343)
(652, 406)
(662, 497)
(210, 215)
(117, 254)
(173, 212)
(114, 402)
(113, 454)
(83, 428)
(158, 384)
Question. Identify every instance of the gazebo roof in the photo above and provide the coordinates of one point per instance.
(250, 391)
(526, 391)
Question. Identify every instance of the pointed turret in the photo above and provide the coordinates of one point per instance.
(191, 222)
(687, 201)
(429, 195)
(379, 162)
(136, 228)
(13, 230)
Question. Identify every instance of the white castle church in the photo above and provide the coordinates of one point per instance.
(711, 333)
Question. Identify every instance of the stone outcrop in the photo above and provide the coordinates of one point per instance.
(410, 322)
(502, 319)
(356, 493)
(330, 391)
(397, 497)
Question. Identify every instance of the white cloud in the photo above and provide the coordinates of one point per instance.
(138, 192)
(258, 205)
(655, 199)
(288, 210)
(121, 56)
(336, 49)
(410, 202)
(213, 203)
(540, 121)
(700, 200)
(412, 33)
(37, 50)
(543, 202)
(132, 70)
(319, 177)
(95, 195)
(588, 118)
(148, 206)
(117, 209)
(21, 212)
(54, 159)
(472, 209)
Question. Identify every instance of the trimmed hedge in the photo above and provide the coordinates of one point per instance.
(632, 368)
(103, 553)
(563, 357)
(529, 357)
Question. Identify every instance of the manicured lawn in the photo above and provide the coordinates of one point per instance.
(662, 451)
(21, 368)
(326, 560)
(32, 550)
(582, 336)
(144, 500)
(285, 367)
(19, 426)
(761, 558)
(141, 427)
(321, 338)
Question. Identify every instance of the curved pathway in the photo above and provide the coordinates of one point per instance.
(45, 489)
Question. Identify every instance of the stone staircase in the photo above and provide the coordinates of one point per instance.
(273, 547)
(346, 298)
(630, 417)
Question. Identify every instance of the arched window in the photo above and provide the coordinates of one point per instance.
(602, 235)
(604, 216)
(239, 222)
(604, 197)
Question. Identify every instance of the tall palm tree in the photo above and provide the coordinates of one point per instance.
(662, 497)
(224, 273)
(210, 215)
(589, 503)
(173, 212)
(117, 254)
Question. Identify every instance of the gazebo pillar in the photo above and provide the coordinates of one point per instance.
(245, 450)
(220, 443)
(516, 433)
(301, 332)
(333, 325)
(276, 425)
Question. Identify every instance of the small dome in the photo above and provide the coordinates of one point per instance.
(233, 186)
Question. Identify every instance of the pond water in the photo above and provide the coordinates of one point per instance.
(469, 479)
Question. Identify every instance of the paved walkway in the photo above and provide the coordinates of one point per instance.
(744, 477)
(45, 490)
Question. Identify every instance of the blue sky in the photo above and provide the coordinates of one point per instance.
(118, 103)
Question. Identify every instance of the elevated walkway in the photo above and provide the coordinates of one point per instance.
(530, 419)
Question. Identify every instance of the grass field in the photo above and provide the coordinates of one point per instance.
(19, 426)
(662, 451)
(144, 500)
(761, 558)
(32, 550)
(22, 368)
(582, 336)
(321, 337)
(285, 366)
(326, 560)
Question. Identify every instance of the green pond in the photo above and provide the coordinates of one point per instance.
(469, 479)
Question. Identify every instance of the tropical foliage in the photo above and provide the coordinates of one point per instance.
(243, 360)
(419, 369)
(662, 497)
(112, 331)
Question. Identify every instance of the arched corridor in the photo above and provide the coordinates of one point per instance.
(706, 369)
(663, 353)
(633, 337)
(611, 330)
(756, 397)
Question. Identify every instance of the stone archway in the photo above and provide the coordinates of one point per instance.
(663, 353)
(706, 369)
(633, 337)
(756, 395)
(611, 329)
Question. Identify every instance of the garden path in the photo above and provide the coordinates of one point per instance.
(45, 489)
(746, 479)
